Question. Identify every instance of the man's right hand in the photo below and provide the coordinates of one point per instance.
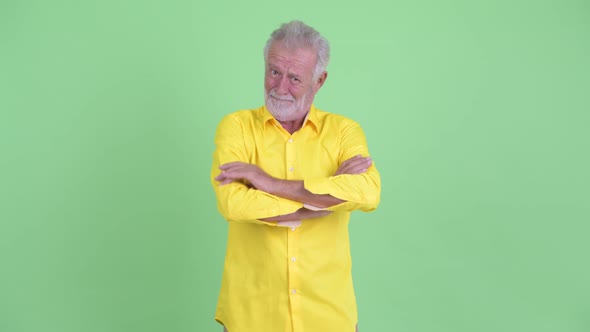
(354, 165)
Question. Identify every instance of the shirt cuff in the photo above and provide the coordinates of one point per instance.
(312, 207)
(292, 223)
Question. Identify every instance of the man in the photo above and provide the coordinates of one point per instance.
(287, 175)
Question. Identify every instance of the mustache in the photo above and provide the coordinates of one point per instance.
(275, 95)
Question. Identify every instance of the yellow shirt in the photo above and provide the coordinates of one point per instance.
(280, 279)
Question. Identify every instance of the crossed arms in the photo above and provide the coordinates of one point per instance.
(290, 189)
(248, 193)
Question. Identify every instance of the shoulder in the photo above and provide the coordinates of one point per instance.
(331, 121)
(243, 117)
(243, 114)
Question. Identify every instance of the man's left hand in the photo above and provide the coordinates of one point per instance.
(249, 173)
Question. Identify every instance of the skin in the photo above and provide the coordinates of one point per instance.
(289, 73)
(289, 83)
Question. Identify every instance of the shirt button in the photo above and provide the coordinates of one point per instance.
(291, 169)
(290, 140)
(293, 229)
(293, 259)
(293, 291)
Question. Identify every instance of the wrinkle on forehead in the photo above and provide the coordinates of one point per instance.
(299, 59)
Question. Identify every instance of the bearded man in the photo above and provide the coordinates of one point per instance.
(287, 176)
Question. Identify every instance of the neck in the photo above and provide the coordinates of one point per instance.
(292, 126)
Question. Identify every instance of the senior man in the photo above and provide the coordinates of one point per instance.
(287, 176)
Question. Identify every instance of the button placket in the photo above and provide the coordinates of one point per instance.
(291, 156)
(293, 269)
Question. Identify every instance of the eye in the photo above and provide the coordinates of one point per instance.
(295, 79)
(274, 72)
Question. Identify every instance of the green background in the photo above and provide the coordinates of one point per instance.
(476, 114)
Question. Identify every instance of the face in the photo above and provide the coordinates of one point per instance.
(289, 86)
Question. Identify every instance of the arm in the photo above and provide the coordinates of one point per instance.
(300, 214)
(356, 185)
(290, 189)
(237, 201)
(295, 190)
(360, 191)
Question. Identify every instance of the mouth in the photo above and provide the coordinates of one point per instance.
(281, 99)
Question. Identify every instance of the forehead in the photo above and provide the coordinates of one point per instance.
(298, 59)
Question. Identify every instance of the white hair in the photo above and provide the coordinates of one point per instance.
(296, 34)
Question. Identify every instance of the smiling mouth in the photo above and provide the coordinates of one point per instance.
(282, 100)
(279, 98)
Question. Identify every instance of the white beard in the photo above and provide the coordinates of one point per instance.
(285, 108)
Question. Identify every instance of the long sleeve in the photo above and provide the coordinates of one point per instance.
(278, 278)
(360, 191)
(236, 201)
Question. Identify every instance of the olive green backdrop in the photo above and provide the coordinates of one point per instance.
(476, 114)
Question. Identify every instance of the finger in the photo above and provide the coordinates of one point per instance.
(357, 170)
(345, 164)
(356, 164)
(225, 178)
(360, 161)
(347, 161)
(227, 175)
(225, 181)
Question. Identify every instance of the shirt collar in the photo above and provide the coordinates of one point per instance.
(311, 119)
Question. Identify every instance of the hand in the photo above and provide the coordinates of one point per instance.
(354, 165)
(249, 173)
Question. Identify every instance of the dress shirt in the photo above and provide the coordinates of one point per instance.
(290, 279)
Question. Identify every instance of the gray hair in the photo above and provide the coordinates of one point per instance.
(296, 34)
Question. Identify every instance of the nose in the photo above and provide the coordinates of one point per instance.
(283, 85)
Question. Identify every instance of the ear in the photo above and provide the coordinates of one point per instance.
(320, 81)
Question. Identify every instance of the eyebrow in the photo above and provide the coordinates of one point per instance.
(289, 74)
